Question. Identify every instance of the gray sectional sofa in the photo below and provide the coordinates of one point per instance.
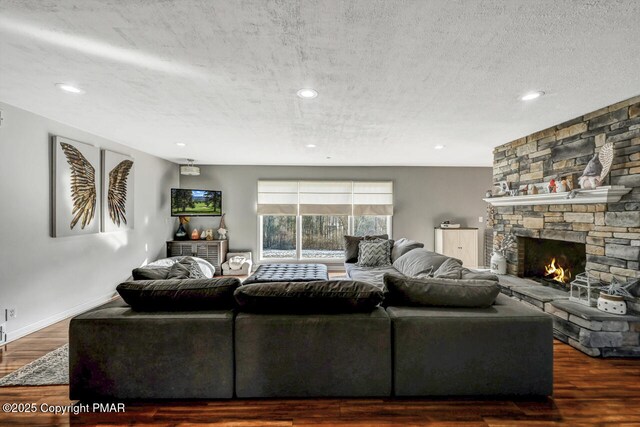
(502, 349)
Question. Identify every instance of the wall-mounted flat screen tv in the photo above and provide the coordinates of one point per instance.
(195, 202)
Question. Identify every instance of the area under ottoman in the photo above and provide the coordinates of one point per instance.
(288, 273)
(313, 355)
(506, 349)
(118, 353)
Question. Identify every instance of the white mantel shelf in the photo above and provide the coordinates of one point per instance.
(606, 194)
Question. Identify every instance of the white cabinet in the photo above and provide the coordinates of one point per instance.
(461, 243)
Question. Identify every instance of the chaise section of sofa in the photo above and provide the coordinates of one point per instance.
(313, 355)
(118, 353)
(505, 349)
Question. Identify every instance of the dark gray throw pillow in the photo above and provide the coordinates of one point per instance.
(420, 261)
(374, 253)
(402, 246)
(440, 292)
(449, 269)
(150, 273)
(179, 295)
(351, 245)
(321, 296)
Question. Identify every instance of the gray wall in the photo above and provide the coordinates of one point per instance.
(423, 196)
(48, 279)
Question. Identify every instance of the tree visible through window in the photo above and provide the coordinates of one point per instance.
(370, 225)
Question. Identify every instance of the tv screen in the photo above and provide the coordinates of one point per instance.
(195, 202)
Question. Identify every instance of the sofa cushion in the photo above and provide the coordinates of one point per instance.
(374, 253)
(440, 292)
(402, 246)
(179, 295)
(323, 296)
(373, 275)
(419, 261)
(150, 273)
(351, 247)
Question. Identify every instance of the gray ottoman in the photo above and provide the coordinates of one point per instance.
(506, 349)
(288, 273)
(313, 355)
(117, 353)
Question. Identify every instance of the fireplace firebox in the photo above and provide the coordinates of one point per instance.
(551, 262)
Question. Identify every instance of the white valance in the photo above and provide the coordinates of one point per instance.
(325, 198)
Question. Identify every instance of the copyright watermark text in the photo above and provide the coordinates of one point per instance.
(79, 408)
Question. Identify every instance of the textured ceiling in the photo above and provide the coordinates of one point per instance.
(394, 78)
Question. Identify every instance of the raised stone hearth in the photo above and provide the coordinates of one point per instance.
(587, 329)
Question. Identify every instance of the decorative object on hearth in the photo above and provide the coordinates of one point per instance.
(514, 192)
(583, 289)
(117, 185)
(614, 304)
(222, 229)
(209, 234)
(195, 235)
(76, 189)
(488, 193)
(598, 168)
(534, 189)
(499, 259)
(552, 187)
(181, 232)
(564, 185)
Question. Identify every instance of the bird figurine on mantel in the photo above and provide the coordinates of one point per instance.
(598, 168)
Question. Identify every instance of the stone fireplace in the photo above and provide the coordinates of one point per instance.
(610, 232)
(552, 262)
(599, 234)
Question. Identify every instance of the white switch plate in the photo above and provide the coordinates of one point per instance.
(480, 219)
(3, 333)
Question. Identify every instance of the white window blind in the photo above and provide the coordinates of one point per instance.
(277, 198)
(325, 197)
(356, 198)
(373, 198)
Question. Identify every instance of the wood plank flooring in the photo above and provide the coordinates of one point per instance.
(587, 392)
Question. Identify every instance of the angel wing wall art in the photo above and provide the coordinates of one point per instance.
(75, 186)
(117, 191)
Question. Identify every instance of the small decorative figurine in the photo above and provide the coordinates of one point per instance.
(552, 186)
(564, 185)
(598, 168)
(534, 189)
(195, 235)
(203, 235)
(209, 235)
(181, 232)
(222, 230)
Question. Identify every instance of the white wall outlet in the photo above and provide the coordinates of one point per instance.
(480, 219)
(12, 313)
(1, 118)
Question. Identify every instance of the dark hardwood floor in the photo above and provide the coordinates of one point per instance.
(587, 392)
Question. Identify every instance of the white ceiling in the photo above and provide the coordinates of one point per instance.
(394, 78)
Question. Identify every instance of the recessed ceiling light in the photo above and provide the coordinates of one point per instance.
(328, 157)
(69, 88)
(531, 95)
(438, 147)
(307, 93)
(311, 145)
(181, 144)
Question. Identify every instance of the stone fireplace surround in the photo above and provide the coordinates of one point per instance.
(610, 231)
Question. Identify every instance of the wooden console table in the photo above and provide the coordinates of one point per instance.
(214, 251)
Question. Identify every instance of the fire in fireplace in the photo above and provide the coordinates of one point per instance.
(557, 272)
(553, 262)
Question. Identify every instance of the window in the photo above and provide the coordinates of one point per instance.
(370, 225)
(322, 236)
(307, 219)
(279, 236)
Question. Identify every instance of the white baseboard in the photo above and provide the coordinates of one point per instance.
(26, 330)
